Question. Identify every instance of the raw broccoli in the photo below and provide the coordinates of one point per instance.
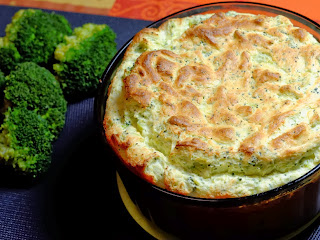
(36, 34)
(9, 56)
(82, 59)
(25, 142)
(35, 88)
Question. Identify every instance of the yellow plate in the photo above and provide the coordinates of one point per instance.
(135, 212)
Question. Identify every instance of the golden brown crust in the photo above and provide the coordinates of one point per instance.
(194, 143)
(289, 137)
(232, 87)
(300, 33)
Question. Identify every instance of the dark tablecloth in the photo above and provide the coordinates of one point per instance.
(79, 196)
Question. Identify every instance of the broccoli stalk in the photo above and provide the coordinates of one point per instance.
(82, 59)
(35, 34)
(35, 88)
(25, 142)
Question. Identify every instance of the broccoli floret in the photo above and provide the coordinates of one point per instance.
(36, 34)
(82, 59)
(35, 88)
(9, 56)
(25, 142)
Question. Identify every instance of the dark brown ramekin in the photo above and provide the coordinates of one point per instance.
(268, 215)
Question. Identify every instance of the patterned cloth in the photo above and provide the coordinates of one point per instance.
(152, 9)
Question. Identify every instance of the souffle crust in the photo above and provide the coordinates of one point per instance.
(218, 105)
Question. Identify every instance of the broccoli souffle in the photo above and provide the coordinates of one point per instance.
(218, 105)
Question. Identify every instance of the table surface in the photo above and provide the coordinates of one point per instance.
(79, 196)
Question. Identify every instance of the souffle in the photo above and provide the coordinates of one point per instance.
(217, 105)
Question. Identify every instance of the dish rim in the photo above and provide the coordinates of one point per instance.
(101, 98)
